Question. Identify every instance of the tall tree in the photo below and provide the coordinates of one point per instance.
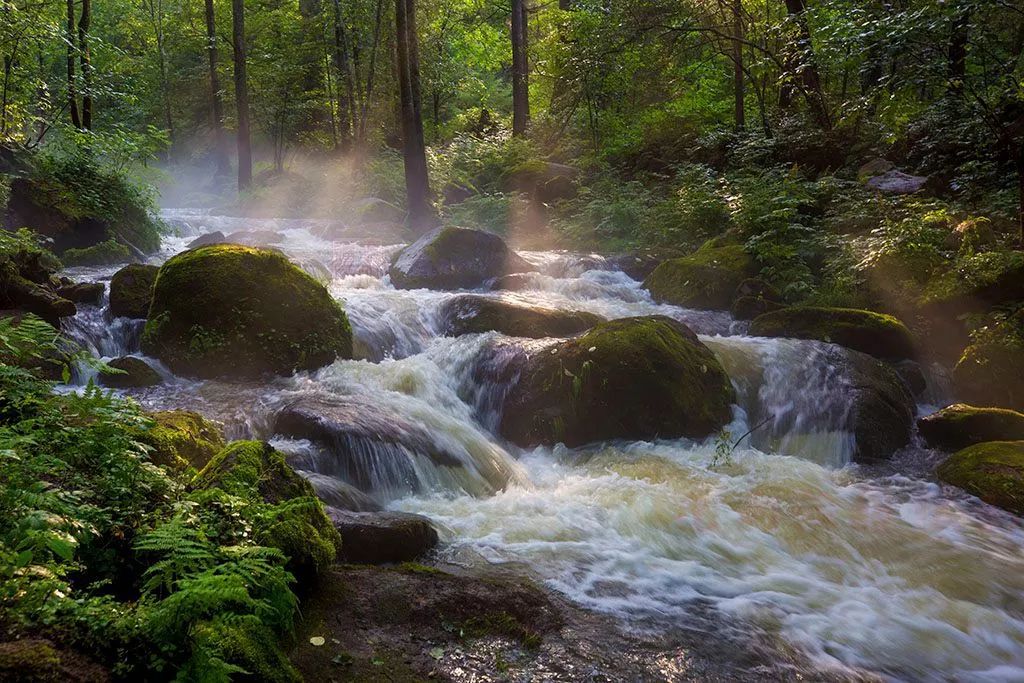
(417, 182)
(220, 148)
(346, 84)
(520, 69)
(957, 55)
(71, 43)
(739, 104)
(801, 68)
(85, 60)
(241, 95)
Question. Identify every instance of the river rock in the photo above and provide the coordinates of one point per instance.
(639, 264)
(911, 372)
(382, 537)
(992, 471)
(634, 378)
(897, 182)
(707, 279)
(25, 295)
(131, 290)
(206, 239)
(883, 408)
(960, 425)
(472, 314)
(991, 373)
(236, 311)
(455, 258)
(255, 238)
(516, 282)
(81, 292)
(135, 372)
(877, 334)
(179, 439)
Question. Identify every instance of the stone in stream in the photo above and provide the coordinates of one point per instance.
(960, 425)
(131, 290)
(472, 314)
(81, 292)
(382, 537)
(639, 264)
(877, 334)
(455, 258)
(634, 378)
(134, 373)
(706, 279)
(206, 239)
(992, 471)
(882, 416)
(237, 311)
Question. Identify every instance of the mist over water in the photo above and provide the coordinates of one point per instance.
(861, 569)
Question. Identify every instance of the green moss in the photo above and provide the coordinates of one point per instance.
(247, 468)
(29, 660)
(230, 310)
(302, 531)
(180, 439)
(131, 290)
(991, 373)
(977, 281)
(992, 471)
(245, 643)
(500, 623)
(630, 378)
(708, 278)
(961, 425)
(874, 333)
(102, 254)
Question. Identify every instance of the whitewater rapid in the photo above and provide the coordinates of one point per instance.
(878, 570)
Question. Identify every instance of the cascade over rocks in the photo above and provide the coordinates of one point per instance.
(382, 537)
(992, 471)
(960, 425)
(236, 311)
(876, 334)
(883, 408)
(635, 378)
(706, 279)
(471, 314)
(455, 258)
(131, 290)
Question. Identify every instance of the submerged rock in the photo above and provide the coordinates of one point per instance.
(883, 408)
(131, 290)
(135, 372)
(455, 258)
(960, 425)
(877, 334)
(992, 471)
(382, 537)
(472, 314)
(181, 439)
(634, 378)
(706, 279)
(236, 311)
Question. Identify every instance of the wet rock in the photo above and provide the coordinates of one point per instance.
(883, 408)
(473, 314)
(992, 471)
(517, 282)
(82, 292)
(991, 373)
(455, 258)
(750, 307)
(107, 253)
(960, 425)
(255, 238)
(181, 439)
(135, 372)
(707, 279)
(897, 182)
(206, 239)
(382, 537)
(877, 334)
(131, 290)
(28, 296)
(339, 495)
(910, 372)
(639, 264)
(633, 378)
(236, 311)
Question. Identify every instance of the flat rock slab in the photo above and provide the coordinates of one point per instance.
(382, 537)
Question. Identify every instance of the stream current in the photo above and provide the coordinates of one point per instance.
(861, 570)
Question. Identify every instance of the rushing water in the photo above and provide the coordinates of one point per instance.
(878, 570)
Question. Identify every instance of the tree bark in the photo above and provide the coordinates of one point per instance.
(520, 69)
(417, 183)
(346, 84)
(85, 60)
(241, 95)
(957, 56)
(69, 37)
(802, 71)
(739, 93)
(220, 146)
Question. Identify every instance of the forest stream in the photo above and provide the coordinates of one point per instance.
(766, 534)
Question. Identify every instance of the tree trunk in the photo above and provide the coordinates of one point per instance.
(241, 95)
(417, 183)
(220, 146)
(85, 59)
(1020, 194)
(346, 85)
(802, 71)
(957, 56)
(739, 103)
(520, 69)
(371, 70)
(69, 37)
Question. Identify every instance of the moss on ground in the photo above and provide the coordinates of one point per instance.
(180, 439)
(992, 471)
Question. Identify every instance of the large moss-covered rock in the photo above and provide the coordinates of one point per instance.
(181, 439)
(992, 471)
(454, 258)
(634, 378)
(131, 290)
(230, 310)
(471, 314)
(706, 279)
(877, 334)
(882, 416)
(961, 425)
(991, 373)
(130, 372)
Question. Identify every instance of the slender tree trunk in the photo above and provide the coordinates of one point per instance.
(156, 17)
(417, 182)
(85, 59)
(241, 95)
(520, 69)
(739, 104)
(957, 56)
(346, 85)
(371, 70)
(220, 145)
(802, 69)
(1020, 194)
(69, 37)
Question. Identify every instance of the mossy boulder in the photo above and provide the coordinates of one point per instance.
(992, 471)
(977, 283)
(472, 314)
(877, 334)
(106, 253)
(81, 292)
(296, 523)
(131, 290)
(249, 644)
(454, 258)
(991, 373)
(706, 279)
(132, 373)
(961, 425)
(635, 378)
(882, 416)
(235, 311)
(180, 439)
